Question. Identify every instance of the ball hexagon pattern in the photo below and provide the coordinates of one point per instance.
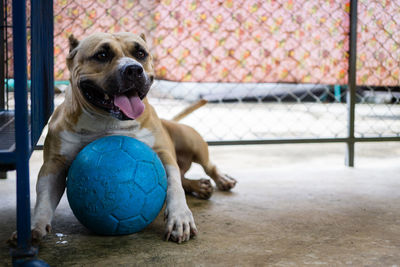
(116, 185)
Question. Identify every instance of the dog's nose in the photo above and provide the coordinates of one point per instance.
(132, 72)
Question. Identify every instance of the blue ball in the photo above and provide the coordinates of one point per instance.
(116, 185)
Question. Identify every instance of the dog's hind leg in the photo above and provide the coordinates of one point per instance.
(223, 181)
(200, 188)
(198, 153)
(198, 149)
(191, 147)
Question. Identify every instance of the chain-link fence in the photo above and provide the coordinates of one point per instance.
(7, 57)
(378, 69)
(271, 70)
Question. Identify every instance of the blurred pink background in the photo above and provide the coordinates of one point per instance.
(299, 41)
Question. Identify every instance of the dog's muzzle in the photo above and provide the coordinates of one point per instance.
(123, 91)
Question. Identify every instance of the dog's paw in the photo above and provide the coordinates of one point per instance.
(180, 225)
(37, 235)
(225, 182)
(13, 240)
(202, 188)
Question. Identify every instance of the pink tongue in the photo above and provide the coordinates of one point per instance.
(131, 106)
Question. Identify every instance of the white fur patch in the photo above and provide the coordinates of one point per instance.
(171, 170)
(49, 190)
(43, 210)
(174, 181)
(146, 136)
(91, 127)
(71, 144)
(96, 123)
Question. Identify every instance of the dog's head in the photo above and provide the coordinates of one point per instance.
(111, 72)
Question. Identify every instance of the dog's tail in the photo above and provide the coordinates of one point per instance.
(189, 110)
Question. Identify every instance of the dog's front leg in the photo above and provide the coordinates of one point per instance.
(179, 219)
(49, 190)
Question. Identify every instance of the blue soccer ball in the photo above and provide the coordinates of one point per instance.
(116, 185)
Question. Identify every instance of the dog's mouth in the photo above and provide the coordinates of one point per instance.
(127, 105)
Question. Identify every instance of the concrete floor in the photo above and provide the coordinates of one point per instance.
(294, 205)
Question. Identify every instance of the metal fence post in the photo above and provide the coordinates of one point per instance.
(42, 86)
(2, 27)
(351, 92)
(3, 175)
(24, 248)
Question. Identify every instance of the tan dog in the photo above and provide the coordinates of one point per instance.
(111, 75)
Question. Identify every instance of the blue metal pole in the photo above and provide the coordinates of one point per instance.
(25, 253)
(21, 126)
(42, 89)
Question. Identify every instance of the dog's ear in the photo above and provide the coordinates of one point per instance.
(143, 36)
(73, 42)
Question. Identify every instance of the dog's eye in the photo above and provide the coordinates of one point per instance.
(140, 54)
(101, 56)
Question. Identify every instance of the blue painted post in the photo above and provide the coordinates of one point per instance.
(21, 123)
(338, 94)
(24, 254)
(42, 89)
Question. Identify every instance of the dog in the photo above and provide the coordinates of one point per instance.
(111, 75)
